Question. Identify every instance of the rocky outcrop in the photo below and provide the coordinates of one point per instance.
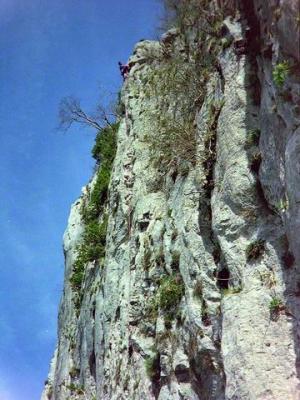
(198, 295)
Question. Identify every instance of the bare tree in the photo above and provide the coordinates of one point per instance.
(70, 111)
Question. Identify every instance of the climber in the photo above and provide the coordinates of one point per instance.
(124, 68)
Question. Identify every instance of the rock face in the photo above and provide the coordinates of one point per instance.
(198, 296)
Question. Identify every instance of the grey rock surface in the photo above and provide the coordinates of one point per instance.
(229, 339)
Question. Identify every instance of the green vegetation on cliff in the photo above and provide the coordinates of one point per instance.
(179, 82)
(92, 246)
(104, 152)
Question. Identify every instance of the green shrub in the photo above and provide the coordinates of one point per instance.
(170, 294)
(167, 298)
(255, 249)
(105, 144)
(72, 387)
(280, 73)
(77, 274)
(98, 195)
(104, 152)
(95, 232)
(275, 304)
(91, 249)
(75, 388)
(226, 42)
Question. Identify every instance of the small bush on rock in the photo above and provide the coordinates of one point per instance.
(105, 144)
(91, 249)
(276, 305)
(167, 298)
(75, 388)
(255, 249)
(170, 294)
(280, 73)
(252, 138)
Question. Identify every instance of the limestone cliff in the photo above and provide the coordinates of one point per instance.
(196, 294)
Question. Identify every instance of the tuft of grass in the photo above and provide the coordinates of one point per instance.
(178, 82)
(252, 138)
(280, 73)
(167, 298)
(275, 305)
(282, 205)
(255, 249)
(268, 278)
(173, 139)
(226, 42)
(170, 294)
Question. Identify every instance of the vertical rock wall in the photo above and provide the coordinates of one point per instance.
(224, 231)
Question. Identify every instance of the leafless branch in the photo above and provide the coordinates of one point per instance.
(70, 111)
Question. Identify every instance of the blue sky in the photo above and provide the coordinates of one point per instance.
(48, 49)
